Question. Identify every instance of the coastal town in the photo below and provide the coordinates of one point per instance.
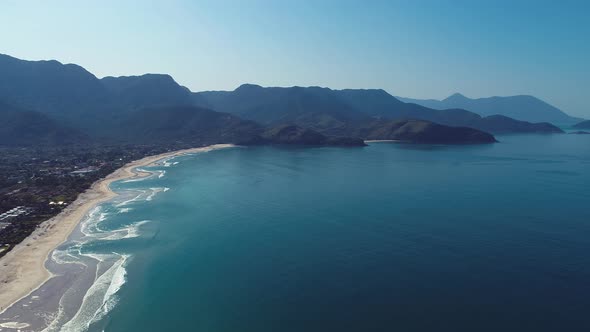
(37, 183)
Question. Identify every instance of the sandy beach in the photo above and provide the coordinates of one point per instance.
(23, 270)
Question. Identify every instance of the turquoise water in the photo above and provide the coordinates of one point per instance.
(390, 237)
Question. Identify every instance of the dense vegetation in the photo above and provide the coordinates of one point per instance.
(418, 131)
(24, 128)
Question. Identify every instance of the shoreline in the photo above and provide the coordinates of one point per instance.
(23, 270)
(381, 140)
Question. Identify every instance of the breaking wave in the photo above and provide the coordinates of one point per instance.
(99, 249)
(100, 298)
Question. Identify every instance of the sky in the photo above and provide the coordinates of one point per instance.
(418, 49)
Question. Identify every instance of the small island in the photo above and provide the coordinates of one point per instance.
(582, 125)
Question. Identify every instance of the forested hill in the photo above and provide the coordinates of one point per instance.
(53, 103)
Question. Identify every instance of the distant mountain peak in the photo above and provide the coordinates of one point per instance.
(248, 86)
(455, 97)
(519, 107)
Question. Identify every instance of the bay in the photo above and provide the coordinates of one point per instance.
(390, 237)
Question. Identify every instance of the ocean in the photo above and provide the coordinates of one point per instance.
(389, 237)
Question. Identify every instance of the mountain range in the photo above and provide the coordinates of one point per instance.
(341, 111)
(75, 106)
(523, 107)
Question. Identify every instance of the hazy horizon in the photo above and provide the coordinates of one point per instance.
(427, 51)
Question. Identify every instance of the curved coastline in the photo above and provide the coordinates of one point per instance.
(23, 269)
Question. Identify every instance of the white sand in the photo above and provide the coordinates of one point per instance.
(23, 270)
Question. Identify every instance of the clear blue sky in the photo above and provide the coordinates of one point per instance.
(422, 49)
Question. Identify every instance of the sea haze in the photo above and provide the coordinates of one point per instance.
(382, 238)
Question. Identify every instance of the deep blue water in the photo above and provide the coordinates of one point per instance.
(390, 237)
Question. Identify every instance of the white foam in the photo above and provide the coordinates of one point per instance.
(110, 299)
(154, 192)
(100, 298)
(91, 225)
(166, 162)
(109, 277)
(137, 179)
(14, 325)
(92, 230)
(65, 256)
(128, 232)
(136, 198)
(50, 318)
(98, 257)
(133, 230)
(110, 273)
(133, 180)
